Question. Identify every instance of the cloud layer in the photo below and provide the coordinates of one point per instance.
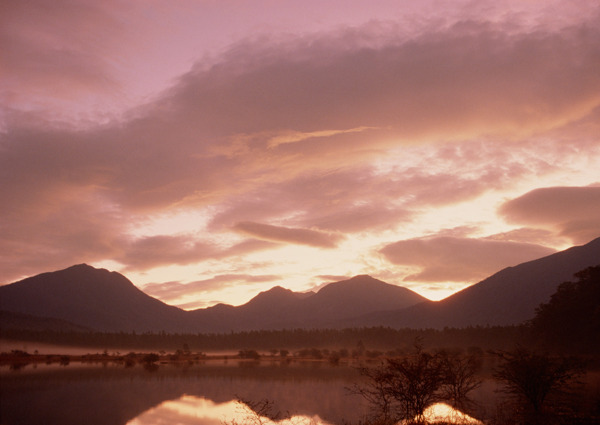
(572, 211)
(285, 234)
(374, 134)
(459, 259)
(174, 292)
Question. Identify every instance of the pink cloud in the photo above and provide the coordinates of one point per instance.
(365, 198)
(204, 114)
(571, 211)
(530, 235)
(289, 235)
(55, 233)
(467, 80)
(345, 200)
(170, 291)
(153, 251)
(459, 259)
(246, 246)
(216, 138)
(374, 216)
(56, 57)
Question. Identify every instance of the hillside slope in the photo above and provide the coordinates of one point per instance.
(505, 298)
(93, 298)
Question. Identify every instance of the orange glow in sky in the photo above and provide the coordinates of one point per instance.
(212, 150)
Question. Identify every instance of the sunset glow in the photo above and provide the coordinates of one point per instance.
(212, 150)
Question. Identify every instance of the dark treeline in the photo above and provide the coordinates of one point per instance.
(375, 338)
(570, 321)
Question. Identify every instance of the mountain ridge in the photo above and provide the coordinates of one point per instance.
(507, 297)
(325, 308)
(98, 299)
(90, 297)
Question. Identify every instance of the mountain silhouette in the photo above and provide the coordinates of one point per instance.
(90, 297)
(107, 301)
(506, 298)
(276, 296)
(264, 311)
(331, 307)
(86, 297)
(358, 296)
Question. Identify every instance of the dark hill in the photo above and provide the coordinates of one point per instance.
(274, 297)
(358, 296)
(332, 307)
(93, 298)
(19, 321)
(505, 298)
(267, 310)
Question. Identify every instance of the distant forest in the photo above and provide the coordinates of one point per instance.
(361, 339)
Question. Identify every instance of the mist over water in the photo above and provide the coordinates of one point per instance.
(31, 347)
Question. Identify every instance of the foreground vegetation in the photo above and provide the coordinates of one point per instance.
(540, 379)
(538, 388)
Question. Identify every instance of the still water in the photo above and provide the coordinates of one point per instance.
(302, 393)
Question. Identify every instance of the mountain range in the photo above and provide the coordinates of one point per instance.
(82, 297)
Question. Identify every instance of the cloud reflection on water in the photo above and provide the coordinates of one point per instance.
(200, 411)
(441, 412)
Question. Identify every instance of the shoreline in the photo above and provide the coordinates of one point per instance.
(18, 359)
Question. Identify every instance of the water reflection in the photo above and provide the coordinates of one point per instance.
(187, 410)
(200, 411)
(308, 393)
(191, 410)
(112, 394)
(441, 412)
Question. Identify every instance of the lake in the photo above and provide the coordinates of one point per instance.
(204, 393)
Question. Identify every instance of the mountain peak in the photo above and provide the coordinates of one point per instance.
(78, 274)
(277, 295)
(363, 294)
(277, 289)
(83, 267)
(356, 283)
(362, 276)
(274, 291)
(95, 298)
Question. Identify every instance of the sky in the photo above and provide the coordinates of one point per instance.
(210, 150)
